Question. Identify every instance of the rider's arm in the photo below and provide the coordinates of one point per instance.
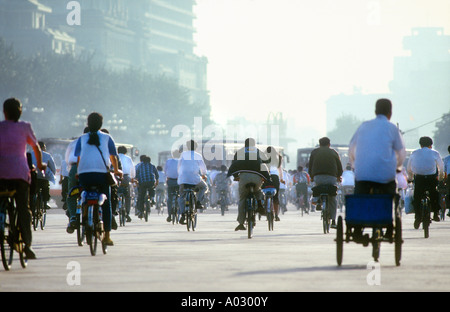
(115, 164)
(38, 155)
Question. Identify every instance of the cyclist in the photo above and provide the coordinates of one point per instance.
(161, 187)
(377, 152)
(129, 173)
(446, 161)
(171, 171)
(14, 167)
(301, 181)
(276, 176)
(192, 171)
(426, 166)
(325, 168)
(96, 151)
(44, 179)
(222, 183)
(147, 177)
(249, 166)
(348, 180)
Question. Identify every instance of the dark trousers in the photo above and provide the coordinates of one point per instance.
(142, 192)
(99, 180)
(423, 183)
(22, 205)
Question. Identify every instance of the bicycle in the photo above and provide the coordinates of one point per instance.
(250, 209)
(160, 201)
(223, 201)
(425, 203)
(174, 213)
(269, 193)
(323, 191)
(92, 200)
(190, 207)
(80, 228)
(375, 210)
(302, 200)
(10, 234)
(40, 210)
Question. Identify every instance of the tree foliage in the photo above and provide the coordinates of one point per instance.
(58, 91)
(346, 126)
(442, 134)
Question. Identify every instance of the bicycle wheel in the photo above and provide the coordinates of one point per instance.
(80, 232)
(16, 242)
(339, 240)
(36, 211)
(270, 216)
(398, 240)
(376, 242)
(325, 216)
(250, 217)
(426, 218)
(43, 217)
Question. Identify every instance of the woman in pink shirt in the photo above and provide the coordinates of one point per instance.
(14, 169)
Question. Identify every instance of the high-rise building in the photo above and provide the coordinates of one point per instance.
(155, 36)
(420, 89)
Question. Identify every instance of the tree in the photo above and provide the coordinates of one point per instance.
(442, 134)
(346, 126)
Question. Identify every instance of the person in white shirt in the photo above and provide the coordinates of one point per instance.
(377, 152)
(425, 165)
(171, 172)
(96, 152)
(129, 173)
(348, 180)
(191, 172)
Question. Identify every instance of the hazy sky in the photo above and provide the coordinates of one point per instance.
(292, 55)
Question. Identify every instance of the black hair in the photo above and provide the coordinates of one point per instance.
(12, 108)
(95, 121)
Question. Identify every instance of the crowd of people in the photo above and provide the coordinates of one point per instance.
(376, 151)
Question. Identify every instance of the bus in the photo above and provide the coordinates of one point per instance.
(303, 155)
(219, 152)
(57, 148)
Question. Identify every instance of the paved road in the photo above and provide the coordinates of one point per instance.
(296, 256)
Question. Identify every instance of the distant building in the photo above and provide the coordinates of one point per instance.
(24, 24)
(156, 36)
(420, 87)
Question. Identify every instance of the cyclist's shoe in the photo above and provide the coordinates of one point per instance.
(71, 227)
(128, 219)
(183, 219)
(113, 223)
(199, 205)
(29, 253)
(333, 224)
(108, 242)
(240, 227)
(277, 218)
(436, 217)
(169, 219)
(261, 209)
(417, 223)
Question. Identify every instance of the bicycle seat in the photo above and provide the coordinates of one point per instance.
(251, 187)
(192, 187)
(7, 193)
(328, 189)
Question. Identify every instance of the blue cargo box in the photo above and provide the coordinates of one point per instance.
(368, 210)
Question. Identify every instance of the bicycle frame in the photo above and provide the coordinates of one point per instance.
(190, 209)
(10, 234)
(92, 201)
(426, 218)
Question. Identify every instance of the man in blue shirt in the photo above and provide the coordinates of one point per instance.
(147, 177)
